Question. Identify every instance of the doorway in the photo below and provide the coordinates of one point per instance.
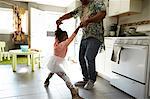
(43, 27)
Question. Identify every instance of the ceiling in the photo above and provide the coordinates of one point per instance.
(60, 3)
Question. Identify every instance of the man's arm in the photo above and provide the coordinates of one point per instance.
(96, 18)
(64, 17)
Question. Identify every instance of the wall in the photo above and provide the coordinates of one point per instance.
(8, 39)
(9, 4)
(73, 6)
(47, 7)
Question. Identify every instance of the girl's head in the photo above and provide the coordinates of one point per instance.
(61, 35)
(85, 2)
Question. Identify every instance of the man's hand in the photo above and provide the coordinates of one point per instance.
(84, 23)
(58, 22)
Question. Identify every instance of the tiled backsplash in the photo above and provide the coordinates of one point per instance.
(141, 26)
(145, 28)
(137, 23)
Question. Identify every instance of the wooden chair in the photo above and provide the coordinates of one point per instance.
(3, 54)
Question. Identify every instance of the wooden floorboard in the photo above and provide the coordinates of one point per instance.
(24, 84)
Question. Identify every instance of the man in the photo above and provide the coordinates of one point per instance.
(91, 14)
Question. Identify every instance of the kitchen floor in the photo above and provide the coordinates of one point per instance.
(25, 84)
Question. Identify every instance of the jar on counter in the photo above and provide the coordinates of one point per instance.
(112, 33)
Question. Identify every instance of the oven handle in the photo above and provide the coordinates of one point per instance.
(132, 46)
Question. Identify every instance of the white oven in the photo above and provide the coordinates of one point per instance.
(130, 75)
(133, 62)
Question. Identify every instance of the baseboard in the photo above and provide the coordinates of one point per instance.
(106, 77)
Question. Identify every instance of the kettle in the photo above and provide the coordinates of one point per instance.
(132, 30)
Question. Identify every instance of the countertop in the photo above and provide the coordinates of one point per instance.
(129, 37)
(134, 40)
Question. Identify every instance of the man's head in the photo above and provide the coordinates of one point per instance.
(85, 2)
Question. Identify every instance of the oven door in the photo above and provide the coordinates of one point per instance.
(133, 63)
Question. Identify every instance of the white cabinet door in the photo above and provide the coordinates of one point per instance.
(129, 86)
(124, 6)
(103, 60)
(100, 62)
(118, 7)
(130, 6)
(114, 6)
(108, 61)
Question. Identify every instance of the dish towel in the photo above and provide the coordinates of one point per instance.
(116, 54)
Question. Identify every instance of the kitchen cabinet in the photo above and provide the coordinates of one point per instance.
(100, 62)
(109, 42)
(103, 59)
(119, 7)
(114, 6)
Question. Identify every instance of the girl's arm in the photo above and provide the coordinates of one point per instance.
(56, 42)
(69, 40)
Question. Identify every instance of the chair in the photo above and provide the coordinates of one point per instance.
(3, 54)
(37, 57)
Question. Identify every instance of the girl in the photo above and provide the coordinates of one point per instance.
(60, 49)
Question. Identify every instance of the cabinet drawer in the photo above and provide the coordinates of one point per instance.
(109, 42)
(131, 87)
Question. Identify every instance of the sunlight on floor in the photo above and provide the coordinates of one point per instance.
(23, 70)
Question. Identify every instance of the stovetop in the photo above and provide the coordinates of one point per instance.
(140, 40)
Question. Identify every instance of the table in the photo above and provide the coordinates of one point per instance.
(30, 56)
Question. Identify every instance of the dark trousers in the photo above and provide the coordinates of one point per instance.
(88, 50)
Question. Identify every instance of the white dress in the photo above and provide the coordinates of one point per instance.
(55, 64)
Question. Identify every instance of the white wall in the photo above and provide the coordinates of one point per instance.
(73, 5)
(6, 21)
(47, 7)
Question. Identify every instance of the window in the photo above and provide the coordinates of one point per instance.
(6, 21)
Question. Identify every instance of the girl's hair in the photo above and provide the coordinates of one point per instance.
(61, 35)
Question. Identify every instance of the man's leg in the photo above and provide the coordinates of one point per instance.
(91, 52)
(83, 64)
(82, 60)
